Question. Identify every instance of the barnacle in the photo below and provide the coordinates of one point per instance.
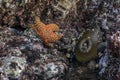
(65, 6)
(86, 48)
(46, 32)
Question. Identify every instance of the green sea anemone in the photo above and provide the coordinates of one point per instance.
(86, 48)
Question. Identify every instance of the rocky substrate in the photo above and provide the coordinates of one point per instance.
(24, 56)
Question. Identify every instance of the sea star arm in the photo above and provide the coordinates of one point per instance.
(53, 27)
(38, 22)
(54, 37)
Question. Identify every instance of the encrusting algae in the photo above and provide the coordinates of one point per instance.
(46, 32)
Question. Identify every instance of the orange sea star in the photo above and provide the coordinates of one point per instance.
(46, 32)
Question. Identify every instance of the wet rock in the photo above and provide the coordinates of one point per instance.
(13, 66)
(92, 65)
